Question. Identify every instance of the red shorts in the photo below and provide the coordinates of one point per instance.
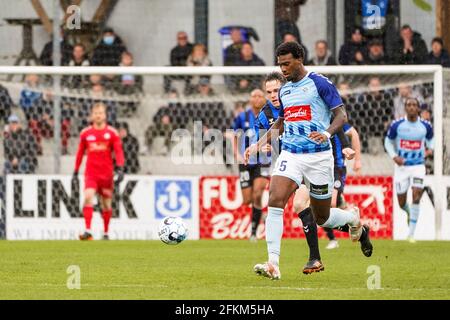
(103, 185)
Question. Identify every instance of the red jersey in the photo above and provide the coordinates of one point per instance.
(99, 144)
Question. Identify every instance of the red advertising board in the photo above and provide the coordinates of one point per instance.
(222, 215)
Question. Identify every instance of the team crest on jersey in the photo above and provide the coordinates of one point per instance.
(271, 121)
(90, 138)
(107, 136)
(298, 113)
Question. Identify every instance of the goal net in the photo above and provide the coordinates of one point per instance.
(155, 109)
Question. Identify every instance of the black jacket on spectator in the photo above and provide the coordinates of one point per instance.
(21, 145)
(255, 61)
(348, 51)
(381, 60)
(108, 55)
(233, 54)
(131, 146)
(179, 55)
(46, 57)
(443, 59)
(418, 56)
(6, 103)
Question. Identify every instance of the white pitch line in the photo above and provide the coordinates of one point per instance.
(351, 289)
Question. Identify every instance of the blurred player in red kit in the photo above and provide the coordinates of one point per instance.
(99, 141)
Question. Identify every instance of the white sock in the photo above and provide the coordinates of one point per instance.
(339, 218)
(414, 211)
(274, 233)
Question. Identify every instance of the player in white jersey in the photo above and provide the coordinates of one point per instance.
(306, 103)
(408, 141)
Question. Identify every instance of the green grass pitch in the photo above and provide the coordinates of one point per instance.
(209, 269)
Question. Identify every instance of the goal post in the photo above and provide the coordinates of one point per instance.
(367, 112)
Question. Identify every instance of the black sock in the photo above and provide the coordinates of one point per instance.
(330, 233)
(310, 229)
(256, 217)
(343, 228)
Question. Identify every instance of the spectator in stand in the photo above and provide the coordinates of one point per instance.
(411, 48)
(287, 13)
(178, 58)
(233, 51)
(162, 127)
(78, 59)
(198, 58)
(248, 58)
(109, 51)
(322, 55)
(128, 84)
(290, 37)
(344, 90)
(6, 104)
(46, 57)
(375, 55)
(130, 146)
(353, 51)
(20, 148)
(438, 54)
(204, 89)
(31, 97)
(405, 91)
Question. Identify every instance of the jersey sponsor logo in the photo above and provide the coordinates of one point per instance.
(97, 146)
(417, 181)
(298, 113)
(90, 138)
(410, 144)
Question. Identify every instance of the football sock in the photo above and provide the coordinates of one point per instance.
(274, 232)
(87, 213)
(330, 233)
(406, 209)
(106, 218)
(413, 217)
(310, 229)
(256, 217)
(344, 228)
(338, 218)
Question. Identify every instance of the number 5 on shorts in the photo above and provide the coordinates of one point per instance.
(283, 165)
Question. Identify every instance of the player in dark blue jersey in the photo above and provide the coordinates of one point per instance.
(253, 176)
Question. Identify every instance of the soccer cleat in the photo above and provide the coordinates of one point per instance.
(355, 228)
(313, 266)
(366, 245)
(333, 244)
(105, 237)
(411, 240)
(268, 270)
(86, 236)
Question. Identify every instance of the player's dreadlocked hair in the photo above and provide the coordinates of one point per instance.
(295, 48)
(275, 76)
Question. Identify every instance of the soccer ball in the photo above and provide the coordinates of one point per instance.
(172, 230)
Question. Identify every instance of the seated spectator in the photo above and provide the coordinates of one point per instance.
(290, 37)
(108, 52)
(46, 57)
(375, 55)
(353, 51)
(78, 59)
(322, 55)
(31, 97)
(6, 104)
(20, 148)
(232, 53)
(158, 135)
(248, 58)
(438, 54)
(131, 149)
(198, 58)
(344, 90)
(411, 48)
(404, 92)
(204, 89)
(128, 84)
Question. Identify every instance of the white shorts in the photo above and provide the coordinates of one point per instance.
(406, 176)
(314, 169)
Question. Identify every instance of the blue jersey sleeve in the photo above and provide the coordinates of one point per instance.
(327, 91)
(346, 127)
(429, 128)
(237, 123)
(392, 132)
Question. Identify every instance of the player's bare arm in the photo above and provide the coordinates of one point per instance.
(340, 118)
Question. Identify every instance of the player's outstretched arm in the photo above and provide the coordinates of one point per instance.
(275, 129)
(356, 145)
(120, 159)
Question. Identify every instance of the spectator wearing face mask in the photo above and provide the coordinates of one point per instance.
(109, 51)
